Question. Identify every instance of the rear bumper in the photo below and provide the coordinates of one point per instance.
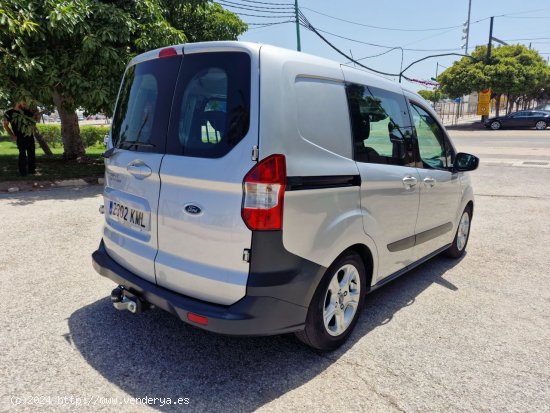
(252, 315)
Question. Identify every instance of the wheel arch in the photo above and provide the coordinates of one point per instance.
(367, 257)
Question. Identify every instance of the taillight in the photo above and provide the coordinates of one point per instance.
(264, 190)
(169, 51)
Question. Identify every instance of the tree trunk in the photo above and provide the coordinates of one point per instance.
(43, 144)
(497, 104)
(70, 131)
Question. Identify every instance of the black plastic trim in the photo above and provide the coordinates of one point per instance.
(420, 238)
(252, 315)
(408, 268)
(278, 273)
(298, 183)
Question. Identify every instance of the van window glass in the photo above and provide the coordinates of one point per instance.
(380, 126)
(322, 114)
(141, 117)
(435, 152)
(211, 108)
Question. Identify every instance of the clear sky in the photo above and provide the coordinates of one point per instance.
(528, 20)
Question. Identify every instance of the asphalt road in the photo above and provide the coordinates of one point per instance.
(470, 335)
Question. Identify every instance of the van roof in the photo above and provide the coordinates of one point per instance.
(253, 48)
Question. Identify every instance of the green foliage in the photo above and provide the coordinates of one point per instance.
(94, 40)
(203, 21)
(91, 135)
(51, 134)
(513, 69)
(432, 95)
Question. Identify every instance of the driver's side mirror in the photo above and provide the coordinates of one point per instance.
(465, 162)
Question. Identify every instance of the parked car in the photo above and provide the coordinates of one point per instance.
(537, 119)
(545, 107)
(253, 190)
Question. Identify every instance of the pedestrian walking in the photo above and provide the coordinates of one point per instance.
(20, 123)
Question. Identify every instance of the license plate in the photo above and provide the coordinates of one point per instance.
(129, 216)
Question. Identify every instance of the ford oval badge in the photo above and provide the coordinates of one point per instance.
(193, 209)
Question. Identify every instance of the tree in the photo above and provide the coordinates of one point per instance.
(512, 70)
(432, 95)
(72, 53)
(203, 21)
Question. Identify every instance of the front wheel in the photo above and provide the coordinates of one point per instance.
(540, 125)
(336, 304)
(457, 248)
(495, 125)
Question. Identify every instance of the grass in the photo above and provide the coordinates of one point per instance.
(50, 168)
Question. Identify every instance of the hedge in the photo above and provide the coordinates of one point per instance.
(91, 135)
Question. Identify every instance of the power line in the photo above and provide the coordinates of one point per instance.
(526, 17)
(379, 27)
(534, 38)
(262, 25)
(305, 22)
(383, 46)
(254, 8)
(269, 3)
(265, 16)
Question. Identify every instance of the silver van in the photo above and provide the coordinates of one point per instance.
(253, 190)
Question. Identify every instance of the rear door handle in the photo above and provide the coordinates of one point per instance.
(429, 181)
(139, 169)
(409, 181)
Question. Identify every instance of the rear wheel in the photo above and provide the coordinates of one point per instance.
(457, 248)
(336, 304)
(495, 125)
(540, 125)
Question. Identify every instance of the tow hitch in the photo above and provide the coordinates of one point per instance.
(123, 299)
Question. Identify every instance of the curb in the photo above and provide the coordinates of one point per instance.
(32, 186)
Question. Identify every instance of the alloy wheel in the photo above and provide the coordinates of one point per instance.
(463, 231)
(341, 300)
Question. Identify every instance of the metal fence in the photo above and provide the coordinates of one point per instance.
(452, 112)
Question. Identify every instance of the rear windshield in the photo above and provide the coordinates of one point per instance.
(200, 110)
(211, 110)
(141, 117)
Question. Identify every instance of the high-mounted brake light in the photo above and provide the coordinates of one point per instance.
(169, 51)
(263, 194)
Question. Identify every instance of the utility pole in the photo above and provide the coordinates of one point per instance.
(298, 43)
(467, 28)
(488, 57)
(490, 40)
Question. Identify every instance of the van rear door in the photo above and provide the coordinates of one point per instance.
(132, 185)
(213, 130)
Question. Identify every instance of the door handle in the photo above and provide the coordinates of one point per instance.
(429, 181)
(409, 181)
(139, 169)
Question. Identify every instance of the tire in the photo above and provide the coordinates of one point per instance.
(341, 308)
(457, 248)
(495, 125)
(540, 125)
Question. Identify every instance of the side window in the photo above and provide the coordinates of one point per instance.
(211, 109)
(380, 126)
(434, 150)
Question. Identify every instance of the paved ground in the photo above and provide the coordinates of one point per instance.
(450, 336)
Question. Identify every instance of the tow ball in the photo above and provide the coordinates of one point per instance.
(123, 299)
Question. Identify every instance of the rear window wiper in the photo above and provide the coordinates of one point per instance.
(126, 145)
(137, 144)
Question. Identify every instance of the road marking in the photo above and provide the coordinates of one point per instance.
(521, 163)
